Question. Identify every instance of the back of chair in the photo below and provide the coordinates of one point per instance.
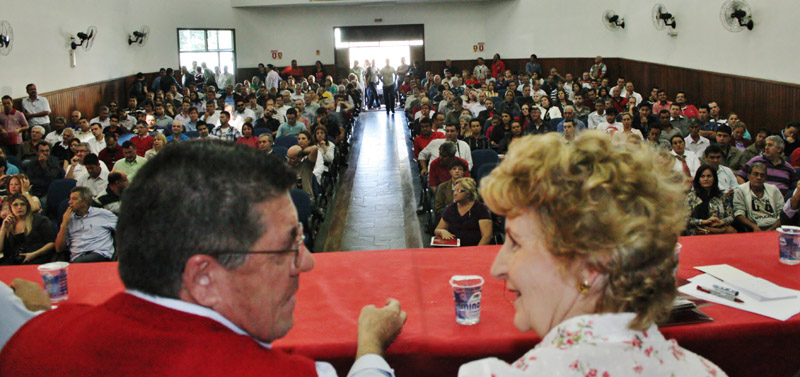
(124, 138)
(279, 151)
(14, 160)
(484, 170)
(481, 157)
(56, 193)
(554, 123)
(260, 131)
(286, 141)
(302, 202)
(192, 134)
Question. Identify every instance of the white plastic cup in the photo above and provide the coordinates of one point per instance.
(54, 276)
(467, 295)
(789, 244)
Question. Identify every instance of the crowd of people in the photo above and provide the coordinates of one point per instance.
(103, 153)
(490, 107)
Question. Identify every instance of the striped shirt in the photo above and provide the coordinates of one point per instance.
(781, 174)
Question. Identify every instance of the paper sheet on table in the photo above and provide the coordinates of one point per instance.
(724, 272)
(761, 289)
(778, 309)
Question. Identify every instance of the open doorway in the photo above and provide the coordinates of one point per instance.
(379, 43)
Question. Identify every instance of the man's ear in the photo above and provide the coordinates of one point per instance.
(201, 281)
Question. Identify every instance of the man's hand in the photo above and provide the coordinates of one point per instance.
(67, 216)
(377, 328)
(32, 294)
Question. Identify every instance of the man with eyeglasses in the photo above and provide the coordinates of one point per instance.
(756, 204)
(211, 300)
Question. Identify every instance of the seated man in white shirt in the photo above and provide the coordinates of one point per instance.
(211, 116)
(757, 205)
(241, 115)
(598, 116)
(98, 141)
(694, 142)
(685, 162)
(76, 170)
(725, 177)
(102, 119)
(92, 180)
(431, 151)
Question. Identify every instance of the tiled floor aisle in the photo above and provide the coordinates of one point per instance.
(375, 205)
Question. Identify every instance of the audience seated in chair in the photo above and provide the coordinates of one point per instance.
(86, 232)
(757, 205)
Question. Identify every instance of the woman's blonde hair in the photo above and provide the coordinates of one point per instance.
(161, 137)
(468, 184)
(28, 213)
(619, 209)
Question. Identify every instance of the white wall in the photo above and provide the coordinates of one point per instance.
(769, 51)
(450, 30)
(515, 28)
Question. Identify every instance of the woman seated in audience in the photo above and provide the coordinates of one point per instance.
(20, 184)
(306, 142)
(247, 136)
(444, 192)
(622, 136)
(592, 283)
(499, 132)
(326, 151)
(71, 150)
(159, 141)
(711, 212)
(197, 103)
(576, 89)
(548, 112)
(27, 237)
(466, 218)
(562, 100)
(525, 116)
(463, 124)
(169, 109)
(491, 89)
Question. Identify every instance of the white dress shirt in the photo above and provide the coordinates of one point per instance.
(697, 147)
(691, 160)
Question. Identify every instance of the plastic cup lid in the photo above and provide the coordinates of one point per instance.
(52, 266)
(456, 279)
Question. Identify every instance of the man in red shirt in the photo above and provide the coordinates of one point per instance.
(142, 140)
(687, 110)
(425, 136)
(12, 123)
(211, 300)
(293, 70)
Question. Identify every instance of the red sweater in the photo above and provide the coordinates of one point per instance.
(127, 336)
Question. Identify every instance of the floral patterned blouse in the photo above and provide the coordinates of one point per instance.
(599, 345)
(719, 206)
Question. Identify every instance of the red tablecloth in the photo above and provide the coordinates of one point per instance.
(331, 296)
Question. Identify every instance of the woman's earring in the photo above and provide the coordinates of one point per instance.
(583, 287)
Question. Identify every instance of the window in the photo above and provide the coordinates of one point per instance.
(213, 47)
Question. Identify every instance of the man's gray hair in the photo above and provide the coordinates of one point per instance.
(85, 144)
(447, 148)
(569, 107)
(84, 193)
(759, 165)
(39, 129)
(776, 140)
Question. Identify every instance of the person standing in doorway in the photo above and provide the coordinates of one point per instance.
(388, 75)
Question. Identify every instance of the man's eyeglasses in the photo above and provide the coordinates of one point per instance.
(299, 240)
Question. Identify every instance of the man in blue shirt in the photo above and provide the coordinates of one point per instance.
(85, 231)
(177, 132)
(291, 127)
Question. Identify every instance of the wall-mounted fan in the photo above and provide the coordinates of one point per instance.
(139, 37)
(6, 38)
(662, 18)
(735, 15)
(86, 39)
(612, 21)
